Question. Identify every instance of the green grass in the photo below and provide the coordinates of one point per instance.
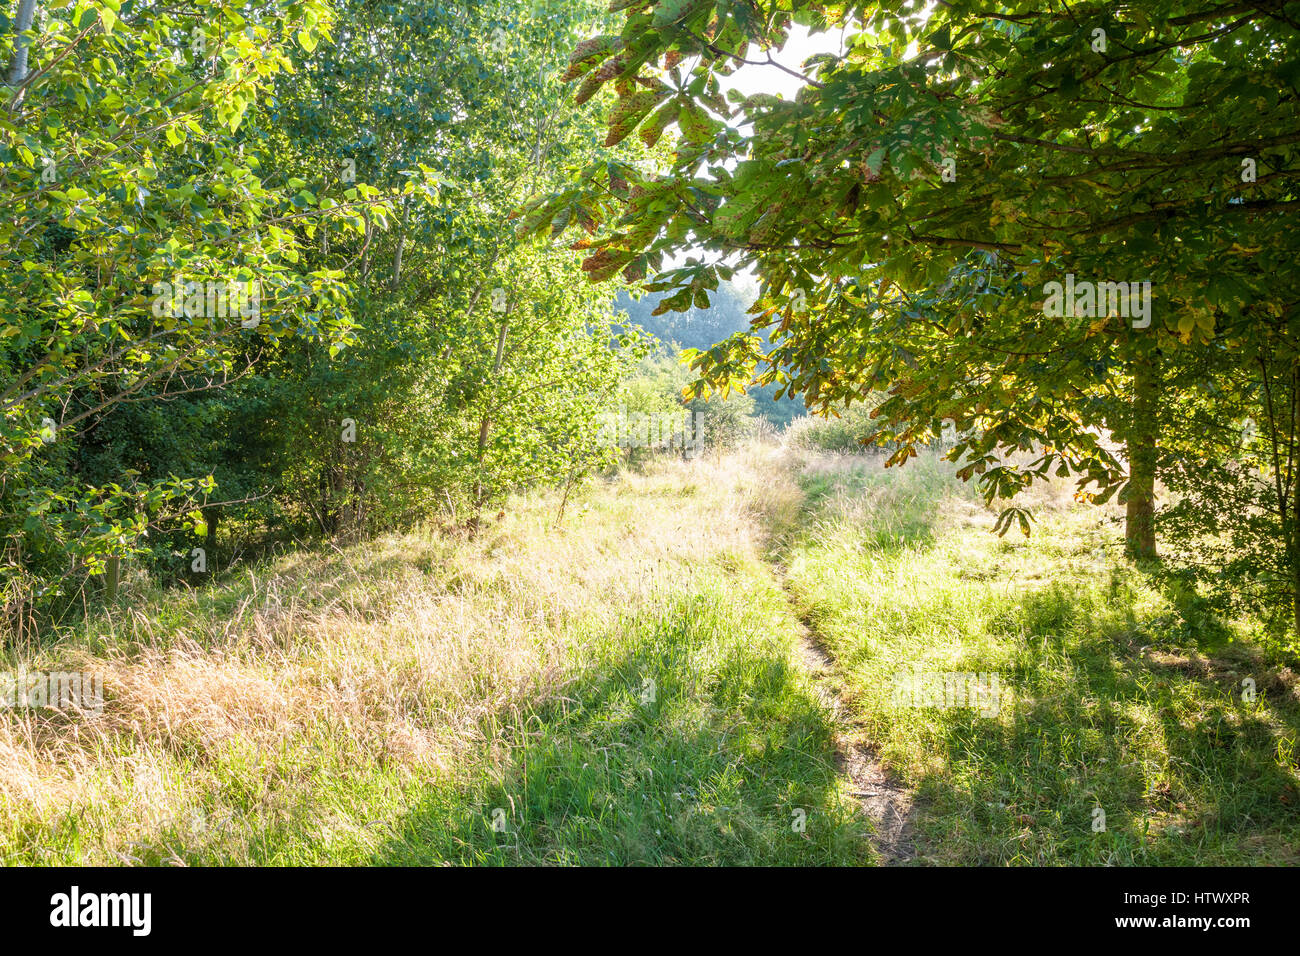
(621, 692)
(1117, 695)
(689, 740)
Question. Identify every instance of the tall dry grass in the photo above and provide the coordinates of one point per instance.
(323, 687)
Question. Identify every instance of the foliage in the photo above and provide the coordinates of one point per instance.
(656, 390)
(399, 353)
(1232, 478)
(483, 366)
(908, 211)
(844, 431)
(128, 188)
(693, 328)
(700, 328)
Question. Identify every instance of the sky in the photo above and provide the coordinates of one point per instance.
(762, 78)
(751, 79)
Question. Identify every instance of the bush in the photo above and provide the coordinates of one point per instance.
(656, 390)
(726, 422)
(843, 432)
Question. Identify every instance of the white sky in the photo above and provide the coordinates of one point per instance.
(754, 78)
(751, 79)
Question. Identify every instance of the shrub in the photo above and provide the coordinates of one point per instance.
(842, 432)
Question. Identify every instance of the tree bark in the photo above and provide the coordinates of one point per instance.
(485, 426)
(18, 65)
(342, 512)
(1282, 435)
(1295, 592)
(1140, 516)
(401, 243)
(112, 577)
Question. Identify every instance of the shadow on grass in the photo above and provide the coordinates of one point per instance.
(1108, 756)
(1106, 751)
(652, 760)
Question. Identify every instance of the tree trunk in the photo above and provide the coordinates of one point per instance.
(211, 517)
(1282, 437)
(401, 243)
(485, 425)
(1140, 517)
(365, 246)
(342, 511)
(112, 576)
(18, 65)
(1295, 595)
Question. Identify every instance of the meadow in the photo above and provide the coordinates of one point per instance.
(695, 665)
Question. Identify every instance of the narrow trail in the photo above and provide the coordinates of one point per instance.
(884, 801)
(881, 798)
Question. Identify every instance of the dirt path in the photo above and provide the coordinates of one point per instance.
(885, 802)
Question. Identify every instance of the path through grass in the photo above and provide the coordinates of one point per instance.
(619, 692)
(626, 691)
(1114, 701)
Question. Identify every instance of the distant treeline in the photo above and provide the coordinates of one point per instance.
(701, 328)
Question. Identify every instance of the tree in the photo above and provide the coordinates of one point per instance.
(907, 212)
(145, 258)
(481, 364)
(1233, 476)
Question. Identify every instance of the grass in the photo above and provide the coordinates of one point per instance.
(625, 691)
(619, 692)
(1117, 697)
